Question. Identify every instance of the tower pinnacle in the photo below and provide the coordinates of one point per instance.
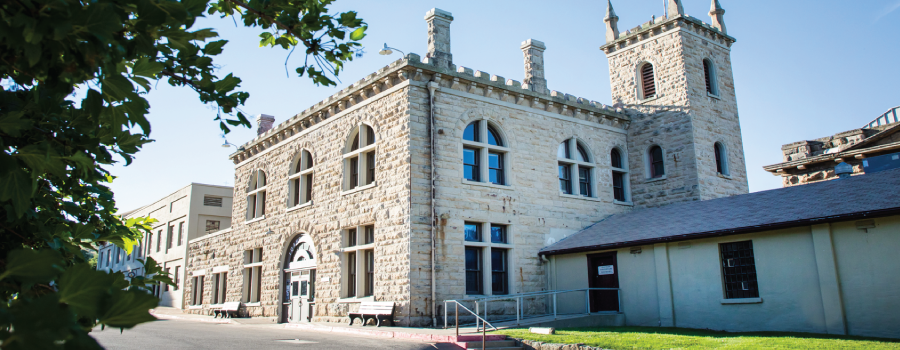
(675, 9)
(612, 22)
(717, 13)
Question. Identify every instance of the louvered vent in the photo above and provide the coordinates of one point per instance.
(648, 84)
(706, 73)
(212, 201)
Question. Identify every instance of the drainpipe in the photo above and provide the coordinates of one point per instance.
(432, 87)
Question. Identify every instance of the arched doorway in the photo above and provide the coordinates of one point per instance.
(299, 296)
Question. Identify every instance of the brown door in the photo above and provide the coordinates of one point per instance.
(603, 273)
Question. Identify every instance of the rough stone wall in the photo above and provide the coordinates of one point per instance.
(532, 206)
(683, 119)
(385, 205)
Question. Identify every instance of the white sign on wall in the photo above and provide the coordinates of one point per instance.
(606, 270)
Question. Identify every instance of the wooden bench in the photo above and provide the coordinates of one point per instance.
(377, 311)
(228, 309)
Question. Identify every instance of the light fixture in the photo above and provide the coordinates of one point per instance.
(388, 50)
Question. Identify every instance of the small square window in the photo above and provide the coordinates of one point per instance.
(473, 232)
(498, 234)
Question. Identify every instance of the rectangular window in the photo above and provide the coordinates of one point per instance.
(212, 226)
(177, 277)
(197, 290)
(739, 270)
(471, 168)
(166, 285)
(498, 233)
(619, 186)
(370, 167)
(351, 274)
(309, 183)
(495, 161)
(212, 201)
(370, 234)
(351, 237)
(219, 283)
(584, 181)
(296, 183)
(252, 275)
(473, 232)
(370, 272)
(354, 172)
(158, 240)
(473, 271)
(565, 179)
(169, 238)
(499, 275)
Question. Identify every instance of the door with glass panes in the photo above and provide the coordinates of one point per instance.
(301, 306)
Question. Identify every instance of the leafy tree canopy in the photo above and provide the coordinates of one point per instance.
(54, 144)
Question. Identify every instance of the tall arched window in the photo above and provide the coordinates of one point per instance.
(256, 195)
(301, 179)
(647, 81)
(359, 158)
(721, 158)
(619, 175)
(575, 168)
(656, 162)
(709, 73)
(482, 140)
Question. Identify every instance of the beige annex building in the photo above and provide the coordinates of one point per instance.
(190, 212)
(427, 181)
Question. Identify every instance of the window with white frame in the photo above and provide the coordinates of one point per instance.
(358, 258)
(300, 180)
(359, 158)
(197, 290)
(576, 169)
(252, 275)
(256, 195)
(485, 155)
(721, 158)
(219, 287)
(487, 252)
(619, 175)
(646, 81)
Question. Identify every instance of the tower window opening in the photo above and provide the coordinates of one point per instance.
(709, 73)
(648, 81)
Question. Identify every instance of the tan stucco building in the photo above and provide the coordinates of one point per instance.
(190, 212)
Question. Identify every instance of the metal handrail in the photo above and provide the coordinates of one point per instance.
(484, 323)
(529, 294)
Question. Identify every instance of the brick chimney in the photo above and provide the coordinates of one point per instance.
(264, 123)
(439, 38)
(534, 65)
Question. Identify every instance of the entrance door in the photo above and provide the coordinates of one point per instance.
(307, 295)
(295, 301)
(603, 273)
(298, 299)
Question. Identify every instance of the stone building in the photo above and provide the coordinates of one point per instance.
(812, 161)
(427, 181)
(190, 212)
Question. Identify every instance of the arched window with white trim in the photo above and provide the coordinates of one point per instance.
(359, 158)
(256, 195)
(646, 81)
(300, 179)
(709, 75)
(656, 162)
(721, 158)
(575, 168)
(482, 140)
(619, 175)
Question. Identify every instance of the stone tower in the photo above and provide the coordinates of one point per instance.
(674, 75)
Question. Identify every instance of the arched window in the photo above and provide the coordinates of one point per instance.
(709, 73)
(647, 81)
(359, 158)
(574, 160)
(256, 195)
(482, 140)
(300, 180)
(721, 158)
(619, 175)
(656, 162)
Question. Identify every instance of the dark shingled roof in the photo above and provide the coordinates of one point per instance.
(870, 195)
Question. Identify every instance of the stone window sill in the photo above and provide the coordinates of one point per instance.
(301, 206)
(627, 204)
(572, 196)
(255, 220)
(724, 176)
(360, 188)
(654, 98)
(356, 299)
(655, 179)
(252, 304)
(713, 96)
(487, 184)
(742, 301)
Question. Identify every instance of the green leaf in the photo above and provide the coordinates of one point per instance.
(227, 83)
(358, 34)
(33, 265)
(12, 123)
(42, 158)
(83, 288)
(15, 186)
(129, 308)
(117, 88)
(214, 48)
(147, 68)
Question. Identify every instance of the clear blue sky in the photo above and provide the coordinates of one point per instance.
(803, 70)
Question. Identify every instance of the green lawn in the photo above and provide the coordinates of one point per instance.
(620, 338)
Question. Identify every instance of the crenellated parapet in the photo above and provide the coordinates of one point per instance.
(662, 25)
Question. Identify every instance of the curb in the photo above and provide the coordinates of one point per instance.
(175, 317)
(435, 338)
